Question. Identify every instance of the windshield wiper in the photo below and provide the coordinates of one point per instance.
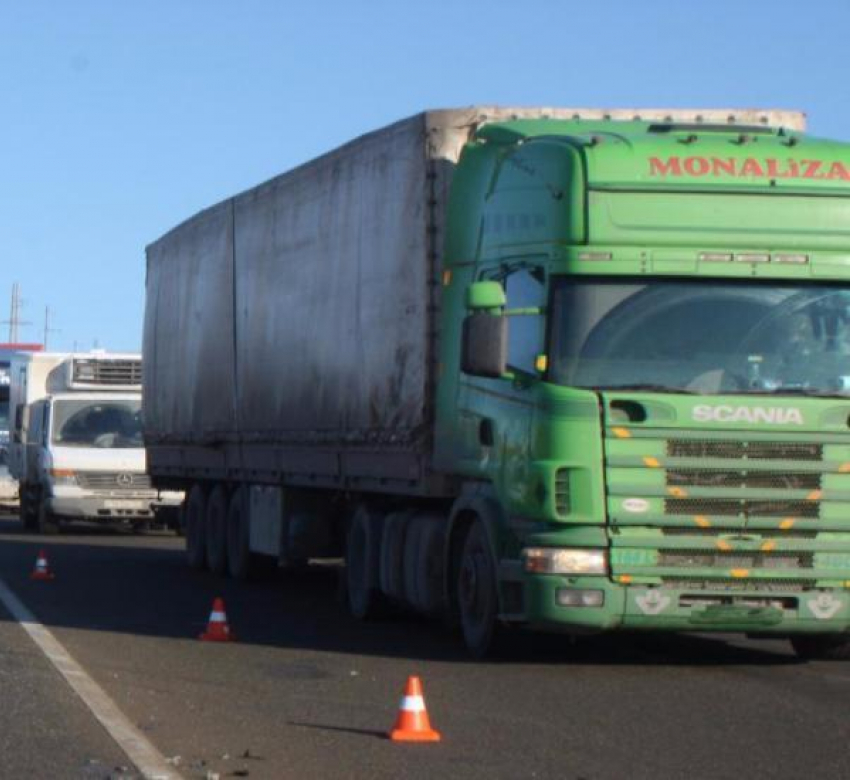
(649, 388)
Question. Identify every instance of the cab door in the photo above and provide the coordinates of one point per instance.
(496, 413)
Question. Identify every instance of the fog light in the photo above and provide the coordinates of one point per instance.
(575, 597)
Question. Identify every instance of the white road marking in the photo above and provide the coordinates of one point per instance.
(147, 759)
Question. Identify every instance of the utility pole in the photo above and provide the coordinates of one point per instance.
(14, 322)
(47, 329)
(14, 314)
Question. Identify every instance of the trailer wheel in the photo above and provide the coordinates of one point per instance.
(429, 569)
(216, 528)
(196, 548)
(416, 528)
(362, 565)
(477, 593)
(392, 555)
(238, 536)
(829, 647)
(47, 522)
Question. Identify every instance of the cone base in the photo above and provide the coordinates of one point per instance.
(217, 637)
(42, 576)
(402, 735)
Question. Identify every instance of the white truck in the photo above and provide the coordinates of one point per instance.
(76, 447)
(8, 486)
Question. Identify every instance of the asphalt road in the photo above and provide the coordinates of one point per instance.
(307, 692)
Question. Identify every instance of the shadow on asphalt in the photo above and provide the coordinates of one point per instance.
(112, 580)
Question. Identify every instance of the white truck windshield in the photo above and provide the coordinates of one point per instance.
(108, 424)
(701, 336)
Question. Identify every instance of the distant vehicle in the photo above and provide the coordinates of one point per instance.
(8, 485)
(566, 369)
(76, 445)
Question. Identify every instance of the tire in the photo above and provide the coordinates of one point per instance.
(196, 547)
(238, 536)
(47, 522)
(362, 565)
(392, 555)
(410, 569)
(216, 530)
(430, 565)
(477, 592)
(826, 647)
(28, 517)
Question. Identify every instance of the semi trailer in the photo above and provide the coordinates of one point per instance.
(76, 445)
(563, 369)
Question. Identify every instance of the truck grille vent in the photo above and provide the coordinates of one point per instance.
(741, 508)
(562, 492)
(749, 585)
(738, 450)
(735, 560)
(113, 480)
(712, 532)
(744, 479)
(107, 372)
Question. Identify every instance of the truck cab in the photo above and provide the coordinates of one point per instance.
(77, 445)
(651, 377)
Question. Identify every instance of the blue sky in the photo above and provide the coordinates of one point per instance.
(121, 119)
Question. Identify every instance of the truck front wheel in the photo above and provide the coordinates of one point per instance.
(830, 647)
(47, 522)
(478, 600)
(196, 548)
(27, 513)
(362, 562)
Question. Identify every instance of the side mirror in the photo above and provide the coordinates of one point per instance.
(481, 296)
(484, 348)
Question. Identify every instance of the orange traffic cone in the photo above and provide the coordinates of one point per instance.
(42, 568)
(217, 628)
(412, 724)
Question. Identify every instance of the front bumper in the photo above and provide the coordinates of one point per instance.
(635, 607)
(97, 508)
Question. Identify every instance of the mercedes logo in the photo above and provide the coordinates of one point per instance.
(125, 480)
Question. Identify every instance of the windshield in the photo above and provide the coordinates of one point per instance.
(703, 336)
(108, 424)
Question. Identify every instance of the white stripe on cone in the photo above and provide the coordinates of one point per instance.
(413, 704)
(218, 617)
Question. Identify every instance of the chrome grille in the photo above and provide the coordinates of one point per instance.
(113, 480)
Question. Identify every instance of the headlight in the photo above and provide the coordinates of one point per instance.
(560, 560)
(63, 476)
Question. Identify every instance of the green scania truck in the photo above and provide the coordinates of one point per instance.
(571, 370)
